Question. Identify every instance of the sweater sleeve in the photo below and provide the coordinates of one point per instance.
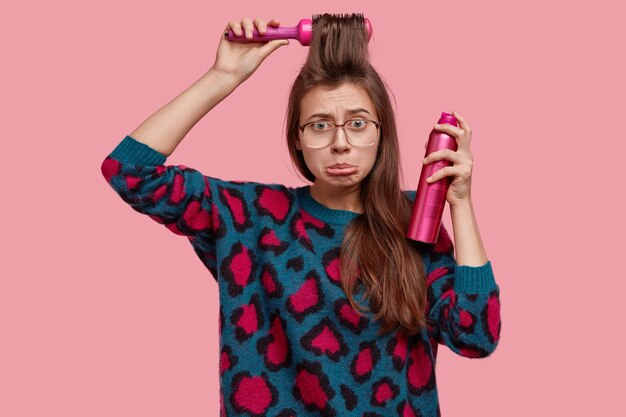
(464, 303)
(175, 196)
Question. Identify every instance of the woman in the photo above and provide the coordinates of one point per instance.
(326, 308)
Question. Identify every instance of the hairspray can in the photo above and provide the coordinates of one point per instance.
(431, 198)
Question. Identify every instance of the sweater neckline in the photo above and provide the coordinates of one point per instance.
(322, 212)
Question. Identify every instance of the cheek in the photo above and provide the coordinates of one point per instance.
(369, 165)
(312, 161)
(371, 156)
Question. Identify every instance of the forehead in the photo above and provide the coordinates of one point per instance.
(336, 100)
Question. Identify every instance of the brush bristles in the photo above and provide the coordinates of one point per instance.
(339, 46)
(360, 16)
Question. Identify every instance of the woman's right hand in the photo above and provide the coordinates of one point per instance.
(238, 60)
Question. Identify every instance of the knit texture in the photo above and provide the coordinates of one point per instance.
(290, 343)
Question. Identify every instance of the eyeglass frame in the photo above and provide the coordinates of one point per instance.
(335, 126)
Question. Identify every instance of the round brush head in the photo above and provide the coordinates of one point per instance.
(307, 26)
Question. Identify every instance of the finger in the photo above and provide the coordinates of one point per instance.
(235, 27)
(260, 25)
(447, 154)
(441, 173)
(463, 124)
(247, 25)
(274, 22)
(453, 130)
(271, 46)
(461, 121)
(459, 134)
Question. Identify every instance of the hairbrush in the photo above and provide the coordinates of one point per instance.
(302, 32)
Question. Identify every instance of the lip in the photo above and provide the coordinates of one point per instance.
(342, 165)
(341, 170)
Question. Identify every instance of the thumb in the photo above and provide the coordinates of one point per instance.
(271, 46)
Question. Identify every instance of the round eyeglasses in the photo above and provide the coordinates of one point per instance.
(319, 134)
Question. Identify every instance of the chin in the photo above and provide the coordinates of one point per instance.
(347, 180)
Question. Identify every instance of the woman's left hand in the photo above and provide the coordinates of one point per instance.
(459, 190)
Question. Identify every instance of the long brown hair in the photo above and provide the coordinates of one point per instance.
(374, 249)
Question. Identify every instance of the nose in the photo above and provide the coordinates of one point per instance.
(340, 140)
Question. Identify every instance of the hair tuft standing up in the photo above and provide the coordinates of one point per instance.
(374, 251)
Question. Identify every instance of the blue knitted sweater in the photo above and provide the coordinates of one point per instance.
(290, 343)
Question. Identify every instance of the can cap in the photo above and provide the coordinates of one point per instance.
(448, 118)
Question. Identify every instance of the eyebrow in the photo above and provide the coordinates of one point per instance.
(349, 111)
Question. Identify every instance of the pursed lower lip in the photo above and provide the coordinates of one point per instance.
(341, 171)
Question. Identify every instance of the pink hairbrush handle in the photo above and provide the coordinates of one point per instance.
(270, 35)
(302, 33)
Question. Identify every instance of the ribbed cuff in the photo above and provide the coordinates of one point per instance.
(131, 151)
(474, 279)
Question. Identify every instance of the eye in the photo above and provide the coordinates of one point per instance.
(320, 125)
(358, 124)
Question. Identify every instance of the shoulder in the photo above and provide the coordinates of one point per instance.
(410, 194)
(247, 199)
(252, 189)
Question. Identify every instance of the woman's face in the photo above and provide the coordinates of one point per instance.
(338, 105)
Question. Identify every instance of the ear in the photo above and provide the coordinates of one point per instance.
(298, 144)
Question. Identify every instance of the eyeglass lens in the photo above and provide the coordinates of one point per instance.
(360, 136)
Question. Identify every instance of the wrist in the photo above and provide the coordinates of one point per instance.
(461, 204)
(223, 78)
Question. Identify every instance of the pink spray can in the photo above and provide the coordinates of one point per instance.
(431, 198)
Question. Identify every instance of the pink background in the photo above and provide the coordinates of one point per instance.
(106, 313)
